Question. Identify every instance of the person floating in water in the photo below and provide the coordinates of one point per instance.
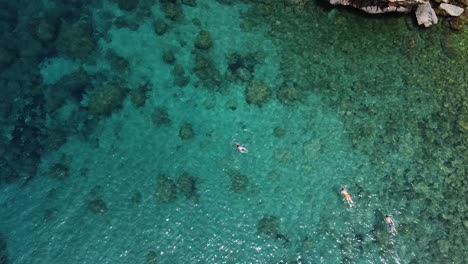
(391, 224)
(347, 196)
(241, 148)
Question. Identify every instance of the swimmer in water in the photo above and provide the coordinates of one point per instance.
(241, 149)
(347, 196)
(391, 224)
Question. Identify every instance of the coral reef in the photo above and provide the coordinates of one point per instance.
(289, 95)
(269, 225)
(180, 78)
(166, 190)
(75, 40)
(279, 132)
(119, 64)
(160, 27)
(46, 31)
(257, 93)
(59, 171)
(3, 250)
(239, 182)
(206, 71)
(151, 257)
(241, 67)
(160, 117)
(203, 40)
(97, 206)
(139, 95)
(136, 198)
(186, 131)
(186, 184)
(172, 9)
(7, 173)
(128, 5)
(168, 56)
(106, 99)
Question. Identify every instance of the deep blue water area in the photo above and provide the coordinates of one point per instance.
(120, 121)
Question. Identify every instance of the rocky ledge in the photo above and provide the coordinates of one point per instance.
(426, 11)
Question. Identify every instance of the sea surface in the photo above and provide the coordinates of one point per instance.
(120, 121)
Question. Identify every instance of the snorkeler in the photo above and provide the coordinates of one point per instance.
(391, 224)
(347, 196)
(241, 149)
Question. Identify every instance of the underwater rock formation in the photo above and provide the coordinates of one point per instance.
(186, 131)
(160, 117)
(166, 190)
(3, 250)
(269, 225)
(139, 96)
(128, 5)
(203, 40)
(279, 132)
(59, 171)
(106, 99)
(168, 56)
(151, 257)
(7, 173)
(206, 71)
(186, 184)
(136, 198)
(97, 206)
(75, 40)
(160, 27)
(239, 182)
(180, 78)
(257, 93)
(289, 95)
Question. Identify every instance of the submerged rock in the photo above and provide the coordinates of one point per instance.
(139, 96)
(106, 99)
(160, 27)
(97, 206)
(186, 131)
(239, 182)
(269, 225)
(180, 78)
(160, 117)
(59, 171)
(76, 40)
(3, 250)
(136, 198)
(128, 5)
(187, 185)
(151, 257)
(203, 40)
(166, 190)
(257, 93)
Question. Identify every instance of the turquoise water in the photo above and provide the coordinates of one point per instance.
(373, 104)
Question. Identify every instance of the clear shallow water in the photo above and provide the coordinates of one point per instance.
(332, 137)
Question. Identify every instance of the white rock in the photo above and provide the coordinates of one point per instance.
(452, 10)
(426, 15)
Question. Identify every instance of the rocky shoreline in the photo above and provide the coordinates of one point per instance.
(426, 12)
